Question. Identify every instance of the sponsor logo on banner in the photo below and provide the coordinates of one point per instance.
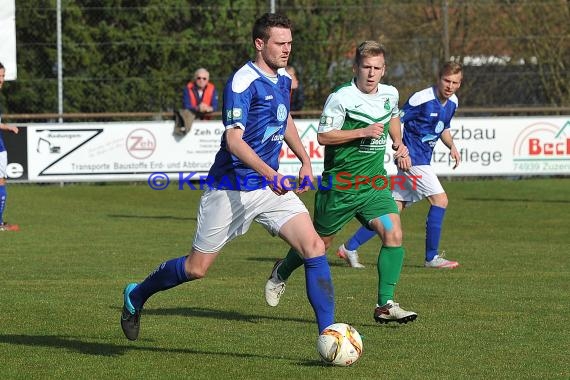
(543, 147)
(54, 145)
(118, 151)
(288, 162)
(141, 143)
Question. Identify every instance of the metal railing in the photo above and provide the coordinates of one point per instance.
(84, 116)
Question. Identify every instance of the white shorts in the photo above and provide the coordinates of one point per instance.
(227, 214)
(3, 164)
(420, 182)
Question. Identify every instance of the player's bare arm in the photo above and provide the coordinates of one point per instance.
(240, 149)
(296, 145)
(447, 139)
(340, 136)
(11, 128)
(401, 153)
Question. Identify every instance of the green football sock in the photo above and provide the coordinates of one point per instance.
(292, 261)
(390, 262)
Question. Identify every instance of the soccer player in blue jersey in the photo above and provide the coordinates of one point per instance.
(426, 117)
(244, 182)
(4, 163)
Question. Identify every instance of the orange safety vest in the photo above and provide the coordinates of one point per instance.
(207, 96)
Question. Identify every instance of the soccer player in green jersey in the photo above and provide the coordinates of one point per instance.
(354, 183)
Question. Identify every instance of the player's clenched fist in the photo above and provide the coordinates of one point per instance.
(375, 130)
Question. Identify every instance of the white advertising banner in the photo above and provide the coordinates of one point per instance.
(508, 146)
(119, 151)
(494, 146)
(8, 33)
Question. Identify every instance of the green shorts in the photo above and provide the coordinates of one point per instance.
(334, 209)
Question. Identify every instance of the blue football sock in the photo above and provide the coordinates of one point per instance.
(434, 222)
(3, 196)
(320, 291)
(360, 237)
(168, 275)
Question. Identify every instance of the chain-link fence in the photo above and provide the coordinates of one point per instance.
(136, 56)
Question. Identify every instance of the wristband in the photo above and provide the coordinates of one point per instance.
(395, 147)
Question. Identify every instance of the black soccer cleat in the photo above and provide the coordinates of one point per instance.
(130, 317)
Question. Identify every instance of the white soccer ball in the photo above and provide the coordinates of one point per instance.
(339, 344)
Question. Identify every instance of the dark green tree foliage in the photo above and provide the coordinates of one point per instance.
(35, 90)
(136, 56)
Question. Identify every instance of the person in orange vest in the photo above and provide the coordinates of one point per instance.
(200, 96)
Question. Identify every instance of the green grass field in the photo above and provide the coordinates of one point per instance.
(502, 315)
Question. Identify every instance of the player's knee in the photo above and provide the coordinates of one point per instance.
(319, 246)
(314, 248)
(440, 200)
(394, 237)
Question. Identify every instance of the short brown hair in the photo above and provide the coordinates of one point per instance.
(450, 68)
(368, 49)
(269, 20)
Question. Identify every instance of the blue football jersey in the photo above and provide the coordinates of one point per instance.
(260, 107)
(424, 119)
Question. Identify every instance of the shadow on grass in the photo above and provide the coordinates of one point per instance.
(314, 363)
(159, 217)
(337, 263)
(226, 315)
(414, 266)
(110, 349)
(525, 200)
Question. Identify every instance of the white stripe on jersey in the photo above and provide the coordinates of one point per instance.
(427, 95)
(243, 78)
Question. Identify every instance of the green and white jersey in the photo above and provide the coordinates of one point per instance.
(349, 108)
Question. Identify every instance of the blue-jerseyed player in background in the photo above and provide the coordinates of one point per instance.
(3, 164)
(257, 121)
(426, 117)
